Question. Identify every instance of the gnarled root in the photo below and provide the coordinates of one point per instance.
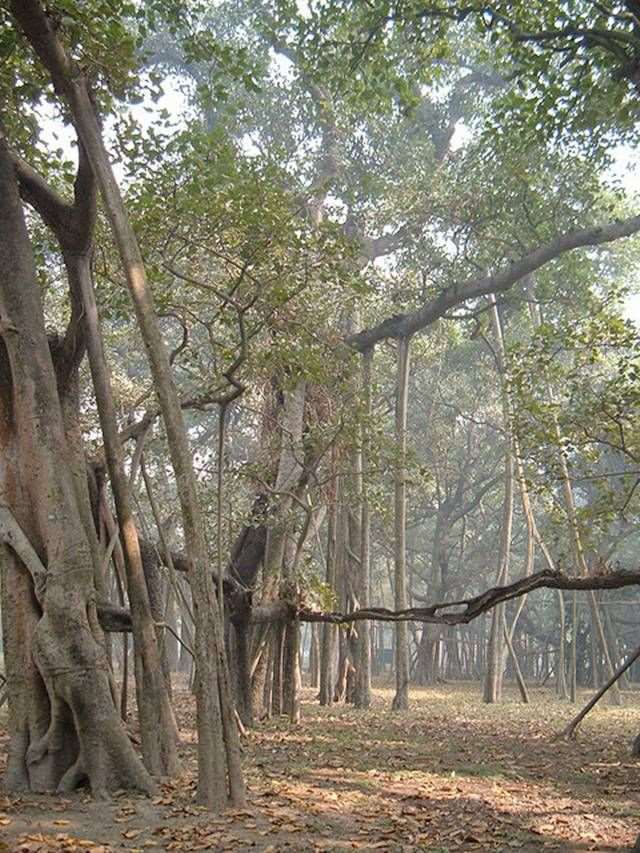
(86, 740)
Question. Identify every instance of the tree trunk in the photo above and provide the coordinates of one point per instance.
(362, 691)
(291, 671)
(282, 553)
(561, 665)
(157, 589)
(429, 649)
(581, 565)
(63, 724)
(262, 683)
(522, 687)
(171, 645)
(218, 744)
(342, 674)
(401, 697)
(277, 652)
(580, 562)
(314, 657)
(495, 649)
(239, 658)
(327, 650)
(157, 724)
(570, 730)
(185, 663)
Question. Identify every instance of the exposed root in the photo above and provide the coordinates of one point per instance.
(86, 740)
(74, 776)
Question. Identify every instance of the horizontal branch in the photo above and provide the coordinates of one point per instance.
(404, 325)
(114, 618)
(474, 607)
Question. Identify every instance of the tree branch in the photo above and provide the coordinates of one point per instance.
(474, 607)
(73, 225)
(34, 189)
(404, 325)
(277, 611)
(12, 534)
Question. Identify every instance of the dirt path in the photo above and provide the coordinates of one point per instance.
(451, 774)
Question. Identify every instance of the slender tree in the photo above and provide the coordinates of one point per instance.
(401, 697)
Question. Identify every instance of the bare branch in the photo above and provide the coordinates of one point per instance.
(473, 607)
(277, 611)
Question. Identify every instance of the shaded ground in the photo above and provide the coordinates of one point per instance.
(451, 774)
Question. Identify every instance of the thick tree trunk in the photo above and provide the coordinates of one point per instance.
(277, 670)
(239, 658)
(157, 588)
(291, 671)
(401, 697)
(218, 745)
(63, 724)
(343, 669)
(281, 552)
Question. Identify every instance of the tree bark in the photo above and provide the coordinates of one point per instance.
(362, 692)
(157, 723)
(291, 671)
(314, 658)
(404, 325)
(495, 649)
(280, 552)
(561, 665)
(401, 697)
(570, 730)
(327, 650)
(218, 744)
(579, 560)
(56, 663)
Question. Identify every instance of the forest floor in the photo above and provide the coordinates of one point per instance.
(451, 774)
